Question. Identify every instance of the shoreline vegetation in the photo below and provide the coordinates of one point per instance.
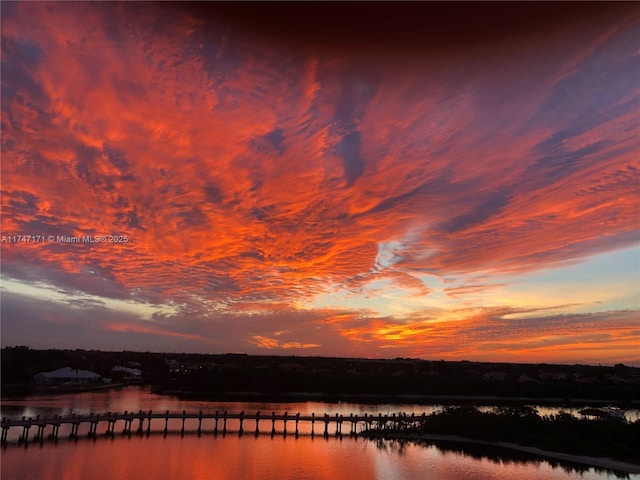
(599, 443)
(24, 390)
(227, 376)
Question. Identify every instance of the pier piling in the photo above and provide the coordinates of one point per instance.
(128, 420)
(224, 423)
(111, 425)
(55, 427)
(93, 426)
(284, 432)
(5, 431)
(313, 421)
(126, 423)
(326, 425)
(166, 422)
(74, 427)
(257, 422)
(141, 419)
(41, 426)
(25, 431)
(273, 423)
(149, 422)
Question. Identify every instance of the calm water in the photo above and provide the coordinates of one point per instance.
(252, 457)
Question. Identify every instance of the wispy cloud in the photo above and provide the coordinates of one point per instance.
(252, 178)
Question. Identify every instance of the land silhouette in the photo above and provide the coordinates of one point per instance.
(522, 425)
(461, 386)
(240, 376)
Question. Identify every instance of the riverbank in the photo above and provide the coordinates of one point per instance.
(598, 462)
(614, 439)
(392, 399)
(23, 391)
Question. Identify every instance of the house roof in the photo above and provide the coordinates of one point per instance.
(130, 371)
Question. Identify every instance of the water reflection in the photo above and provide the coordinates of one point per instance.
(223, 457)
(496, 455)
(136, 398)
(266, 457)
(255, 457)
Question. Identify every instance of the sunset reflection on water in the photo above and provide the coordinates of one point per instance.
(233, 457)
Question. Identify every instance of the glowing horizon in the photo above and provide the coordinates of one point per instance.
(468, 200)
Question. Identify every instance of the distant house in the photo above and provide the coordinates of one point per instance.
(615, 379)
(191, 366)
(127, 375)
(66, 375)
(292, 367)
(173, 364)
(581, 379)
(524, 378)
(495, 375)
(553, 377)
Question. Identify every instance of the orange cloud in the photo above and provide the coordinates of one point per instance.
(270, 343)
(250, 178)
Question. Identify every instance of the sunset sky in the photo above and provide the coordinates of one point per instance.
(455, 181)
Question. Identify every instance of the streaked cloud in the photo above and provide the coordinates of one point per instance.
(311, 198)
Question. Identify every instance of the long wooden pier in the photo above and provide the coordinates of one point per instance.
(140, 423)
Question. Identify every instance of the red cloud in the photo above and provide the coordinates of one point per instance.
(255, 175)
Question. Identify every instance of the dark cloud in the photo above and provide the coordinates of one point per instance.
(348, 148)
(40, 323)
(600, 85)
(382, 26)
(213, 194)
(25, 202)
(490, 204)
(117, 157)
(271, 143)
(128, 89)
(20, 58)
